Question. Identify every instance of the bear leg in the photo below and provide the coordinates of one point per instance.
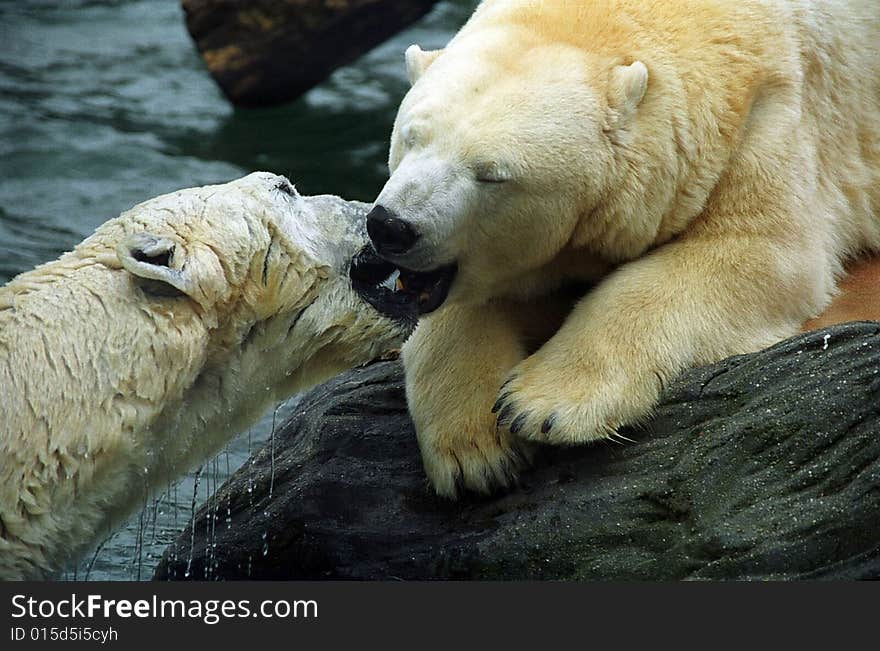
(455, 363)
(691, 302)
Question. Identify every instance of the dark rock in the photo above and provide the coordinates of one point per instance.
(764, 466)
(264, 52)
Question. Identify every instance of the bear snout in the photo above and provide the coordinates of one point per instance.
(390, 235)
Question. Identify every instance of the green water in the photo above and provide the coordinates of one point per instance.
(105, 103)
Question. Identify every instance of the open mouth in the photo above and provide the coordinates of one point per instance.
(396, 292)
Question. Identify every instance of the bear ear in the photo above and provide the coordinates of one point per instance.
(162, 267)
(418, 60)
(627, 87)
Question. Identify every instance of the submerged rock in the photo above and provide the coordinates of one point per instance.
(763, 466)
(264, 52)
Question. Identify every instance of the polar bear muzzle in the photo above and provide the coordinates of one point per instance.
(397, 292)
(390, 234)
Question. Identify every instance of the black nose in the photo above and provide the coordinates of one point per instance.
(389, 234)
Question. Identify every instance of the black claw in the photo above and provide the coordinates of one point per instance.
(504, 415)
(548, 423)
(517, 423)
(499, 402)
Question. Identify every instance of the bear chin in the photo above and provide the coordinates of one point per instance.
(396, 292)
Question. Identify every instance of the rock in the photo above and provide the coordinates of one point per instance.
(265, 52)
(763, 466)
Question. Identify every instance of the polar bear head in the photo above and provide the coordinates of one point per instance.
(500, 152)
(252, 253)
(256, 277)
(144, 350)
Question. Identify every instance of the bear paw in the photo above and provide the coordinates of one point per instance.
(536, 405)
(480, 464)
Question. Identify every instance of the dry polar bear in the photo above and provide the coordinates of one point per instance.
(710, 165)
(140, 353)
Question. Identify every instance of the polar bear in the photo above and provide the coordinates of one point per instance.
(140, 353)
(707, 167)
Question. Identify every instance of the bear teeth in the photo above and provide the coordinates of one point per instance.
(393, 282)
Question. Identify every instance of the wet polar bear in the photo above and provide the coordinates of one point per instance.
(139, 354)
(711, 166)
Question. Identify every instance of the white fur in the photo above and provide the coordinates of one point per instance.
(110, 387)
(712, 165)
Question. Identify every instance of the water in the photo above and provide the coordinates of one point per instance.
(105, 103)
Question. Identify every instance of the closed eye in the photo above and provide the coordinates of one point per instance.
(491, 173)
(286, 187)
